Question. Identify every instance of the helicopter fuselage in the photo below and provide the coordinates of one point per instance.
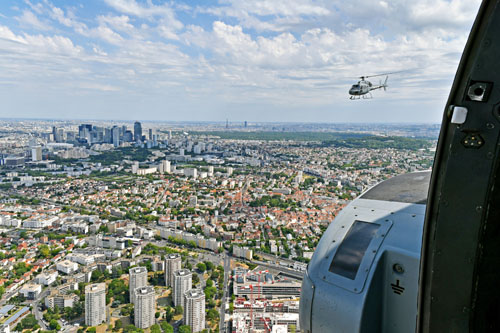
(361, 88)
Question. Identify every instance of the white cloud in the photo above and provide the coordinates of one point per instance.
(300, 53)
(131, 7)
(28, 19)
(120, 23)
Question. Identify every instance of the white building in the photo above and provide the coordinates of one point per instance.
(67, 267)
(138, 277)
(135, 166)
(182, 283)
(191, 172)
(166, 166)
(95, 304)
(40, 223)
(61, 300)
(31, 290)
(144, 308)
(81, 259)
(243, 252)
(172, 264)
(36, 153)
(147, 171)
(194, 309)
(47, 278)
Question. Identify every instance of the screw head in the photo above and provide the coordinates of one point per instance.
(398, 268)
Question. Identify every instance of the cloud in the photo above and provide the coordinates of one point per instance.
(297, 53)
(149, 11)
(28, 19)
(120, 23)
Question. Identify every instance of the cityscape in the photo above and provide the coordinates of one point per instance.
(178, 227)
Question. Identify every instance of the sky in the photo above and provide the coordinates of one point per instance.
(252, 60)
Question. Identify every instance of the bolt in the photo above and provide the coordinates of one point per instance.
(398, 268)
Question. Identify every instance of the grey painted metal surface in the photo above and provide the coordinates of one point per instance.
(376, 291)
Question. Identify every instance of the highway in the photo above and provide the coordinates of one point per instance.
(36, 312)
(227, 269)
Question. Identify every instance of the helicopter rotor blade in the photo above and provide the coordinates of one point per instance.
(383, 74)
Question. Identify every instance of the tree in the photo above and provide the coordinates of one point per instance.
(44, 251)
(118, 325)
(169, 314)
(209, 265)
(196, 279)
(166, 327)
(210, 283)
(132, 329)
(96, 275)
(201, 267)
(184, 329)
(28, 322)
(178, 310)
(53, 324)
(212, 314)
(155, 328)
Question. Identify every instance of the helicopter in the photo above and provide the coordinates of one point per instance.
(363, 88)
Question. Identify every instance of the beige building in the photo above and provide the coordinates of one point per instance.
(60, 300)
(95, 304)
(138, 277)
(172, 263)
(144, 307)
(194, 309)
(182, 283)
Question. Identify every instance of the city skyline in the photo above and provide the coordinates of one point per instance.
(261, 61)
(178, 229)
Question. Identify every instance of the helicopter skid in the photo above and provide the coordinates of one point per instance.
(365, 96)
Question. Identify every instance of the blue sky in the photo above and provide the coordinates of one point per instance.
(249, 60)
